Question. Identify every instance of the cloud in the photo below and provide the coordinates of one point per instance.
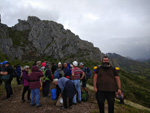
(120, 26)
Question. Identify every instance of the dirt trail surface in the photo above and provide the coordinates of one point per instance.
(14, 105)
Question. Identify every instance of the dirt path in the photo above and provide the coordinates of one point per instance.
(14, 105)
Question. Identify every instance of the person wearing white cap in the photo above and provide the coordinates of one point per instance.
(76, 72)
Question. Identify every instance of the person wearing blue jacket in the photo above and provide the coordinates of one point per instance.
(18, 70)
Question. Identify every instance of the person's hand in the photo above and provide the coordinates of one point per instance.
(95, 89)
(119, 91)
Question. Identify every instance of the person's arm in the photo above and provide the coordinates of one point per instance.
(41, 73)
(60, 86)
(4, 73)
(72, 74)
(118, 84)
(95, 82)
(83, 74)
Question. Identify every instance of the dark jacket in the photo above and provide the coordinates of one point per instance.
(35, 78)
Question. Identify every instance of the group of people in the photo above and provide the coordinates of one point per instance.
(67, 78)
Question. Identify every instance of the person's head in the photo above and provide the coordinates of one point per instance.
(1, 64)
(59, 65)
(81, 64)
(75, 63)
(38, 63)
(47, 66)
(6, 63)
(26, 68)
(105, 60)
(55, 81)
(65, 65)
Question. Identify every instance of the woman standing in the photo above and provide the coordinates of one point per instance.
(25, 77)
(46, 82)
(35, 85)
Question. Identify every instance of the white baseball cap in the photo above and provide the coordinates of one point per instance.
(75, 63)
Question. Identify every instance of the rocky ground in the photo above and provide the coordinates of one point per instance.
(14, 105)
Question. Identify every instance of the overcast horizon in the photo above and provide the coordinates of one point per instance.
(115, 26)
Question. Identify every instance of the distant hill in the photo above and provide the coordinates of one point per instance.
(130, 65)
(144, 60)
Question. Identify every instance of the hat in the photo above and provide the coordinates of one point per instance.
(1, 63)
(55, 80)
(95, 67)
(25, 67)
(5, 62)
(75, 63)
(81, 64)
(59, 63)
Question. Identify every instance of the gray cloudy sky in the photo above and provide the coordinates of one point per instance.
(120, 26)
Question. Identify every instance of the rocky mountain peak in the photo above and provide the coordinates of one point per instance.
(35, 38)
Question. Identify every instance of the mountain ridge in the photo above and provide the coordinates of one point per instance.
(37, 38)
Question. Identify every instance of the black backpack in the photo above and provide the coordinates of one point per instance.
(88, 73)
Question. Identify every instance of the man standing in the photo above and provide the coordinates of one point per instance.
(84, 79)
(76, 72)
(67, 71)
(106, 80)
(7, 69)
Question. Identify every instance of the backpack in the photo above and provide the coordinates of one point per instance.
(44, 78)
(14, 73)
(84, 96)
(56, 74)
(88, 73)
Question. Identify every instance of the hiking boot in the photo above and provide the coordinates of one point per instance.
(70, 107)
(74, 103)
(40, 105)
(79, 101)
(32, 105)
(22, 101)
(63, 108)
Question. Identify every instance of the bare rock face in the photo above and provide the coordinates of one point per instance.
(35, 38)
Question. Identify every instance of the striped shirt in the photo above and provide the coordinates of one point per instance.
(76, 72)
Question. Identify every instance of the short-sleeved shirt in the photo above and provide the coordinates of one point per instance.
(106, 79)
(76, 72)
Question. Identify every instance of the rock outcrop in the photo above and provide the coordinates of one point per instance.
(37, 38)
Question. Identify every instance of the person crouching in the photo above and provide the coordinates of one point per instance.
(67, 90)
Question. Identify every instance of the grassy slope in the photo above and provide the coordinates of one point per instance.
(128, 107)
(136, 88)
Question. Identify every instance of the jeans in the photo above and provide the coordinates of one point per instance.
(35, 92)
(78, 89)
(101, 96)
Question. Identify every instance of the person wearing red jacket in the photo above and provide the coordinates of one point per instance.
(35, 85)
